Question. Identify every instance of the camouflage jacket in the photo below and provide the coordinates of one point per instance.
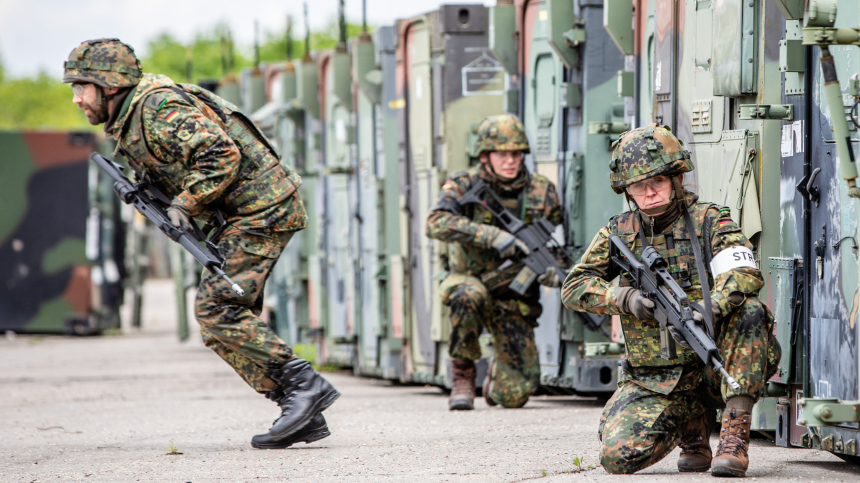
(590, 286)
(529, 197)
(204, 161)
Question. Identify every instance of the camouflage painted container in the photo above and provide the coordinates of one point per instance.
(61, 236)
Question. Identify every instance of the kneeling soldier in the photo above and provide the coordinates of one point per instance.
(477, 289)
(663, 403)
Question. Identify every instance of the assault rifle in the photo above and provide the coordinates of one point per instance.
(673, 308)
(148, 201)
(535, 236)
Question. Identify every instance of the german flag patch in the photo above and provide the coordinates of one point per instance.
(170, 117)
(724, 222)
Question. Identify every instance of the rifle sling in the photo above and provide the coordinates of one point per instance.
(700, 269)
(703, 274)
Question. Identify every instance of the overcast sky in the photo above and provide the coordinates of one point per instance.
(39, 34)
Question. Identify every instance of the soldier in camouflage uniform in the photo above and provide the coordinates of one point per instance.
(663, 403)
(209, 159)
(480, 256)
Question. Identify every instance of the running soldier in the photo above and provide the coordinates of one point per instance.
(207, 157)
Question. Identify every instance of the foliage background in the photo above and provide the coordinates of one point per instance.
(44, 102)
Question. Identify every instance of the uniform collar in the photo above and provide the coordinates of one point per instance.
(147, 83)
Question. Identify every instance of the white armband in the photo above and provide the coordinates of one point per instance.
(731, 258)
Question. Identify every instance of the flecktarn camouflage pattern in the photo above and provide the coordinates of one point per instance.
(476, 288)
(106, 62)
(646, 152)
(501, 133)
(176, 137)
(656, 396)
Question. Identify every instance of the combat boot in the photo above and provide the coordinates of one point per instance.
(302, 394)
(463, 392)
(315, 430)
(732, 458)
(695, 447)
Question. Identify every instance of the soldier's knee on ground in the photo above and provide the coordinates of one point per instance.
(618, 460)
(511, 401)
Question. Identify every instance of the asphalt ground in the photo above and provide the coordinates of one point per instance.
(145, 407)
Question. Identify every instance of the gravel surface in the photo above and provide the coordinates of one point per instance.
(112, 408)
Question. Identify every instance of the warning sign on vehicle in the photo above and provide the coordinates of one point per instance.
(483, 76)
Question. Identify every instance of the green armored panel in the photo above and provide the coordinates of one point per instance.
(338, 209)
(43, 233)
(253, 91)
(363, 63)
(307, 87)
(502, 39)
(735, 34)
(561, 33)
(341, 78)
(228, 88)
(289, 83)
(618, 22)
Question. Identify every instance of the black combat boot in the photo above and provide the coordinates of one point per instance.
(314, 431)
(302, 394)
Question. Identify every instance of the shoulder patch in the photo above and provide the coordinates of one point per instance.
(171, 116)
(156, 100)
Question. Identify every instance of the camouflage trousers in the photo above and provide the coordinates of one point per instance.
(511, 322)
(229, 323)
(639, 426)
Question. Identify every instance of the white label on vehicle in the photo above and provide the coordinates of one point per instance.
(786, 144)
(731, 258)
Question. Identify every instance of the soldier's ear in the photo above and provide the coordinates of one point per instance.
(483, 157)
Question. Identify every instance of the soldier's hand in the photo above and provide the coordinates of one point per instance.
(550, 278)
(504, 243)
(633, 302)
(679, 338)
(179, 216)
(715, 310)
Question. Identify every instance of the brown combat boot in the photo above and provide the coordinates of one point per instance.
(463, 392)
(732, 458)
(695, 446)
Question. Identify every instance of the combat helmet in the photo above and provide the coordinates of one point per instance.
(501, 133)
(104, 62)
(646, 152)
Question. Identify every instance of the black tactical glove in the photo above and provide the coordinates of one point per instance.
(179, 216)
(632, 302)
(505, 243)
(550, 278)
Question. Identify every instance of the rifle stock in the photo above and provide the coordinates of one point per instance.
(145, 199)
(672, 307)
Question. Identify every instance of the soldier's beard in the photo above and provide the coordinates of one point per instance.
(96, 112)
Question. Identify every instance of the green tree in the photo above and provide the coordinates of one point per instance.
(42, 102)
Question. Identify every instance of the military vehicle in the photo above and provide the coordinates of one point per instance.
(62, 237)
(374, 127)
